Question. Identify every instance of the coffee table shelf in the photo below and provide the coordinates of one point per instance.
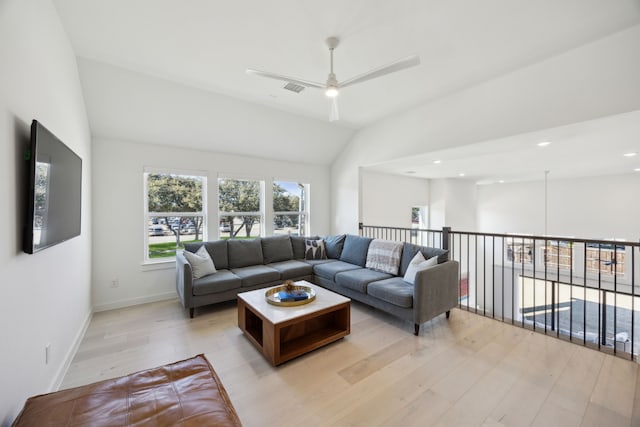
(282, 333)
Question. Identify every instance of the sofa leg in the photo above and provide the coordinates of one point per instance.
(416, 329)
(191, 310)
(448, 313)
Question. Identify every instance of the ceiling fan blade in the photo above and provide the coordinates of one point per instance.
(410, 61)
(333, 109)
(301, 82)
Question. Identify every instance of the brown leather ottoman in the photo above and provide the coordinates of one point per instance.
(185, 393)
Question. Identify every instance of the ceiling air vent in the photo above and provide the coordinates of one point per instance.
(294, 87)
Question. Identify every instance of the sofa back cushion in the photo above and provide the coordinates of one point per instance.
(217, 250)
(334, 245)
(355, 250)
(276, 249)
(243, 253)
(410, 250)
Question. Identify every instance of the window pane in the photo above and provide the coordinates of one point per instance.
(289, 197)
(241, 226)
(289, 205)
(237, 195)
(605, 258)
(174, 193)
(166, 234)
(293, 224)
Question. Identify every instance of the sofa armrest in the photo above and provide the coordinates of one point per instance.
(435, 291)
(184, 279)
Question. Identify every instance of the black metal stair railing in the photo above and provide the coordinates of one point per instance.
(581, 290)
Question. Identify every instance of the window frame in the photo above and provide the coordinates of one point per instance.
(147, 215)
(300, 213)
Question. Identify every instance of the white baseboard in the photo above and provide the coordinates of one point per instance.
(135, 301)
(62, 371)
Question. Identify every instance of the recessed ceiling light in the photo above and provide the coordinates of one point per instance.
(461, 174)
(636, 170)
(544, 143)
(631, 154)
(437, 162)
(501, 181)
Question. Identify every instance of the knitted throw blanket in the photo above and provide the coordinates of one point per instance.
(384, 256)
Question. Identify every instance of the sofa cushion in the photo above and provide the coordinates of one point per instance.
(314, 249)
(216, 248)
(409, 250)
(328, 270)
(418, 263)
(297, 244)
(222, 280)
(384, 256)
(292, 269)
(394, 291)
(355, 250)
(359, 279)
(201, 262)
(276, 249)
(256, 274)
(244, 252)
(334, 245)
(314, 262)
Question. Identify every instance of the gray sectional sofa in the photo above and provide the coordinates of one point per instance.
(244, 265)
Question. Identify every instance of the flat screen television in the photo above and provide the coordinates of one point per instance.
(54, 194)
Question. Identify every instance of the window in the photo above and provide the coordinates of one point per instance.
(555, 254)
(290, 212)
(605, 258)
(240, 208)
(175, 213)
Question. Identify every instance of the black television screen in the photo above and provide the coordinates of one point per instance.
(54, 194)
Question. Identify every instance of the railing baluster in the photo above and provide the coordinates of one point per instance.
(610, 268)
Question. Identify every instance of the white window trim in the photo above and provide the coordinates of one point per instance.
(305, 212)
(147, 215)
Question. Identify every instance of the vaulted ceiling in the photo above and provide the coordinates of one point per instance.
(174, 72)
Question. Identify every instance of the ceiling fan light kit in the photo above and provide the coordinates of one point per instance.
(332, 86)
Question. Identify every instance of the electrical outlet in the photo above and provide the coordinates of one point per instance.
(47, 353)
(115, 283)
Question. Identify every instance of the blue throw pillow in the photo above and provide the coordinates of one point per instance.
(355, 250)
(334, 245)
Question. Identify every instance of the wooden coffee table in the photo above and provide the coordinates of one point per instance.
(282, 333)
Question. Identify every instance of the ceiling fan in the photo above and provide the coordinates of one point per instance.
(332, 86)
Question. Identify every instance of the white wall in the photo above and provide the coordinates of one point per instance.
(595, 207)
(387, 199)
(596, 80)
(45, 297)
(452, 204)
(119, 225)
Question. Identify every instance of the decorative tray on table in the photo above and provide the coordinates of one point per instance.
(289, 294)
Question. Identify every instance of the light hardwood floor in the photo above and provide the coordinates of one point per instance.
(465, 371)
